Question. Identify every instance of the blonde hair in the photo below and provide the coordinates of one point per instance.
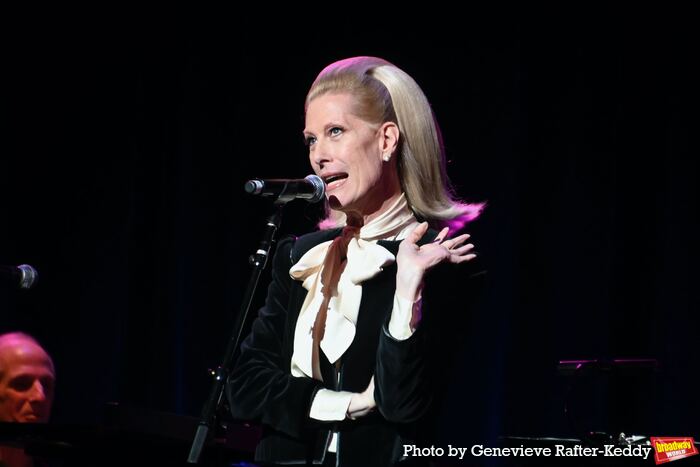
(384, 92)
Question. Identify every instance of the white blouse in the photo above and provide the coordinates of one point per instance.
(365, 259)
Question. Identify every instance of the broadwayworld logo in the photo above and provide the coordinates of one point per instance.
(670, 449)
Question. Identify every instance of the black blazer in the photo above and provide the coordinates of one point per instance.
(407, 373)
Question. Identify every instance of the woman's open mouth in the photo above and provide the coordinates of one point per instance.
(335, 180)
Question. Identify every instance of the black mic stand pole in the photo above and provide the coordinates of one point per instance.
(258, 260)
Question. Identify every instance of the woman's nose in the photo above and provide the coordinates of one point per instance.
(320, 154)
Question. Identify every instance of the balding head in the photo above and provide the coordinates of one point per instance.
(27, 379)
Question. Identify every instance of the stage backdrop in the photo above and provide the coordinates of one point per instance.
(125, 152)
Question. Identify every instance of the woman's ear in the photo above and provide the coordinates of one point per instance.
(389, 139)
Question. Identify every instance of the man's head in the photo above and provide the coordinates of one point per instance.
(27, 379)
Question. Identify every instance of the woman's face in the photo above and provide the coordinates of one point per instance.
(347, 153)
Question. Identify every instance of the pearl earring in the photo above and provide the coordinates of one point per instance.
(386, 157)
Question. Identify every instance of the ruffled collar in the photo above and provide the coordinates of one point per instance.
(365, 259)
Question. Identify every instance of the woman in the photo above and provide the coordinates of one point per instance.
(340, 363)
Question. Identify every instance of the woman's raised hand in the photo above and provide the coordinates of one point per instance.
(413, 261)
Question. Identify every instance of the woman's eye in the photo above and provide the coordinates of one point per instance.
(335, 131)
(309, 140)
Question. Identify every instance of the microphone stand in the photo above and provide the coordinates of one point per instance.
(258, 260)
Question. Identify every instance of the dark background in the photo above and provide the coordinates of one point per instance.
(125, 148)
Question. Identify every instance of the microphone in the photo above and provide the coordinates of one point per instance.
(23, 276)
(310, 188)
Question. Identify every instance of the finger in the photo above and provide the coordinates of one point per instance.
(462, 250)
(455, 242)
(462, 259)
(359, 413)
(441, 236)
(417, 233)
